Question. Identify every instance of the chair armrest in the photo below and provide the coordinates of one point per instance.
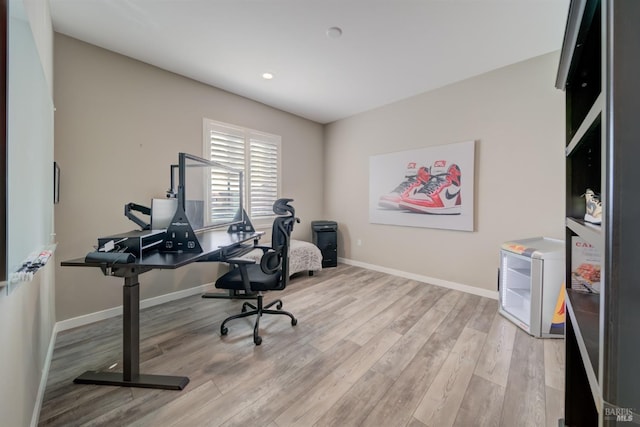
(263, 248)
(239, 261)
(241, 264)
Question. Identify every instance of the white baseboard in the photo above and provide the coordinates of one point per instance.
(116, 311)
(426, 279)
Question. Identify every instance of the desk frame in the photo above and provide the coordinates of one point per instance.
(130, 375)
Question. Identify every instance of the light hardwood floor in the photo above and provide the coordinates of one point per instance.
(370, 349)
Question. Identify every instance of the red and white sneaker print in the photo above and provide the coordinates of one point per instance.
(440, 195)
(413, 179)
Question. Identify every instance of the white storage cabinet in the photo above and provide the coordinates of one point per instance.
(530, 279)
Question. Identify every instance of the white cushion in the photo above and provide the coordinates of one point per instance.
(303, 256)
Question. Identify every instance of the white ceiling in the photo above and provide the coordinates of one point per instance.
(389, 49)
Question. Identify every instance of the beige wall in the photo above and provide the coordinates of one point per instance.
(120, 123)
(27, 319)
(27, 313)
(516, 116)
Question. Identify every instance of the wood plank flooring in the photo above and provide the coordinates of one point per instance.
(370, 349)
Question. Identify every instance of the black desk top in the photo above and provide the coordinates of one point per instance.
(215, 245)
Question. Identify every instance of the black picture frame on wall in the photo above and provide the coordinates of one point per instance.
(56, 183)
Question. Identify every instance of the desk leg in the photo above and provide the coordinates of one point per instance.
(130, 376)
(131, 328)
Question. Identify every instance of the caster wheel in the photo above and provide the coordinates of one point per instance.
(223, 331)
(294, 322)
(257, 340)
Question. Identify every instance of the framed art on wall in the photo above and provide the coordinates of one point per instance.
(428, 187)
(56, 183)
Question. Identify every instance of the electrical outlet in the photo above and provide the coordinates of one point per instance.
(359, 242)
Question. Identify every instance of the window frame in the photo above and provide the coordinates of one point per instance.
(248, 135)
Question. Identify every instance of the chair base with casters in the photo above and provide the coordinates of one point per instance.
(258, 310)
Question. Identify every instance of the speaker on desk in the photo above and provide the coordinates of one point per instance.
(325, 237)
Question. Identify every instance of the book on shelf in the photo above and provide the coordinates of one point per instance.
(585, 266)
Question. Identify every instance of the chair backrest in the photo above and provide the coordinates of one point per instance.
(281, 230)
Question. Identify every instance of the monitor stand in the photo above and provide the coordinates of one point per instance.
(180, 236)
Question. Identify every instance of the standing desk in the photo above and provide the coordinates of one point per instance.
(216, 246)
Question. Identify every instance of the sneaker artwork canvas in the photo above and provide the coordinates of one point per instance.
(427, 187)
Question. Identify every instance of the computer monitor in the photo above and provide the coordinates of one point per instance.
(163, 211)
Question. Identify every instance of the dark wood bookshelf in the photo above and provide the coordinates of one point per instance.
(598, 70)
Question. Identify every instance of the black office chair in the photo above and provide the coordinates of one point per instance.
(272, 274)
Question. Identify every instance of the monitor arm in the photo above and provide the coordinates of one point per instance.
(142, 209)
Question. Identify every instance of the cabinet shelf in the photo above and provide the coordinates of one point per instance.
(584, 168)
(522, 293)
(589, 124)
(591, 233)
(579, 21)
(518, 303)
(584, 310)
(523, 272)
(579, 73)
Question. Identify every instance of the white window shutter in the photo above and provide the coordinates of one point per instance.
(257, 154)
(263, 177)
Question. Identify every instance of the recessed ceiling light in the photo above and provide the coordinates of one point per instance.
(267, 76)
(334, 32)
